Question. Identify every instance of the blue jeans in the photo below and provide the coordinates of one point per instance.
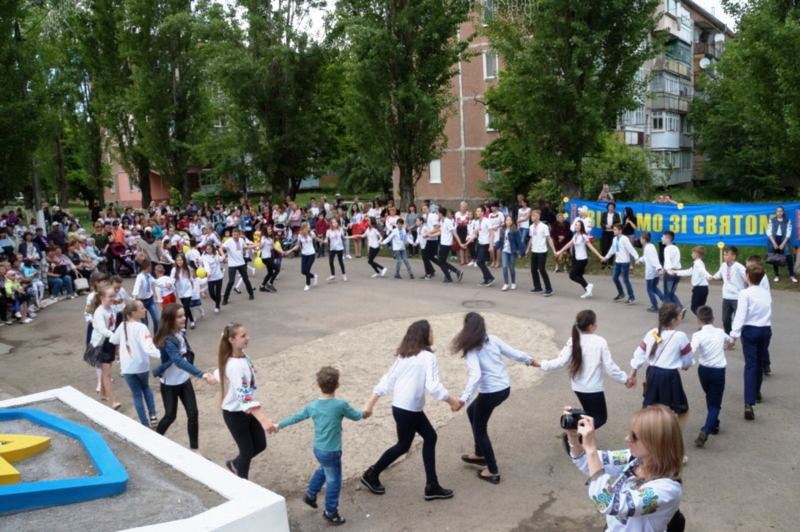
(150, 306)
(329, 472)
(57, 284)
(400, 257)
(755, 345)
(713, 382)
(140, 389)
(508, 267)
(670, 289)
(523, 237)
(623, 269)
(653, 292)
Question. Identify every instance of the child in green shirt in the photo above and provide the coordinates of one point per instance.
(327, 413)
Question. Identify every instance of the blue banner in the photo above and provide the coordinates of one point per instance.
(733, 224)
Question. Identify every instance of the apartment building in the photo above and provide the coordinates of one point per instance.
(695, 38)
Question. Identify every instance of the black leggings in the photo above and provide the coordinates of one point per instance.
(594, 404)
(408, 424)
(171, 395)
(479, 413)
(336, 253)
(249, 436)
(373, 252)
(576, 272)
(273, 269)
(187, 308)
(444, 265)
(215, 291)
(232, 277)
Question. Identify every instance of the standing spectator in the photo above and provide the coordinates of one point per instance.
(630, 224)
(779, 233)
(610, 219)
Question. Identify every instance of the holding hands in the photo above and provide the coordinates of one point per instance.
(455, 404)
(631, 382)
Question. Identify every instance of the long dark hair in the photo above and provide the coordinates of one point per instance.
(472, 335)
(417, 338)
(582, 230)
(168, 324)
(182, 269)
(584, 320)
(668, 313)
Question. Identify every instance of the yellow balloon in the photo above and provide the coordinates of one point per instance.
(186, 249)
(279, 246)
(201, 273)
(566, 216)
(566, 199)
(680, 206)
(257, 236)
(226, 239)
(720, 245)
(258, 263)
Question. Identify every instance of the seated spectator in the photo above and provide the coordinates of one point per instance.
(59, 273)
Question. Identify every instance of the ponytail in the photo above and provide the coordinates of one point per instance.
(583, 321)
(666, 315)
(224, 352)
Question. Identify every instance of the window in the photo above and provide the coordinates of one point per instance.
(658, 121)
(680, 51)
(435, 171)
(132, 184)
(685, 126)
(113, 187)
(672, 121)
(489, 65)
(634, 117)
(632, 138)
(671, 84)
(490, 126)
(488, 11)
(686, 160)
(672, 7)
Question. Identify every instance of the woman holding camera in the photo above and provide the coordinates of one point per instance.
(637, 488)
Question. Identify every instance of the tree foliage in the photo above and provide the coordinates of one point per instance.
(748, 123)
(569, 70)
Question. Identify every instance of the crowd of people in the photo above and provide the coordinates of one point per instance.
(179, 258)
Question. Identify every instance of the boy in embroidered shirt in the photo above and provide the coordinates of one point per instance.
(165, 287)
(699, 277)
(709, 345)
(731, 273)
(625, 256)
(327, 413)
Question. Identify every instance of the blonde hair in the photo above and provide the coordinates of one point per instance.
(305, 229)
(657, 429)
(100, 291)
(225, 351)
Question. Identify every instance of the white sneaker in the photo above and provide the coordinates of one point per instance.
(344, 278)
(505, 287)
(348, 257)
(331, 278)
(383, 272)
(513, 286)
(589, 289)
(306, 288)
(316, 279)
(374, 275)
(251, 270)
(793, 278)
(216, 310)
(586, 295)
(776, 279)
(26, 321)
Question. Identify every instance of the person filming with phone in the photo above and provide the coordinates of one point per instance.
(638, 488)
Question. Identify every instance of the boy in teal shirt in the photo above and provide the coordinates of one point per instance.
(327, 413)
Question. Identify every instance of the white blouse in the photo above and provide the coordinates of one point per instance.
(136, 347)
(596, 361)
(409, 378)
(673, 352)
(486, 370)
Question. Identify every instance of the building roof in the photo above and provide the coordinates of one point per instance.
(710, 19)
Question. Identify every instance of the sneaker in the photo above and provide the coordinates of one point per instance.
(252, 296)
(513, 286)
(383, 272)
(371, 481)
(437, 492)
(427, 277)
(749, 415)
(767, 371)
(335, 519)
(548, 293)
(191, 325)
(216, 310)
(630, 301)
(793, 278)
(224, 302)
(316, 279)
(685, 459)
(460, 275)
(153, 421)
(700, 441)
(683, 313)
(447, 280)
(759, 398)
(536, 290)
(410, 275)
(331, 278)
(619, 297)
(306, 288)
(491, 282)
(311, 501)
(652, 309)
(374, 275)
(590, 289)
(344, 278)
(263, 289)
(348, 257)
(398, 276)
(586, 295)
(18, 315)
(271, 288)
(505, 287)
(237, 290)
(776, 279)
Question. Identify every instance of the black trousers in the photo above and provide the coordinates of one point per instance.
(429, 256)
(699, 297)
(479, 413)
(481, 257)
(373, 252)
(605, 242)
(185, 393)
(232, 270)
(273, 269)
(187, 308)
(444, 264)
(728, 311)
(215, 291)
(249, 436)
(594, 404)
(539, 267)
(336, 254)
(576, 272)
(408, 424)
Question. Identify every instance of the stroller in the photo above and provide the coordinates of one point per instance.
(121, 260)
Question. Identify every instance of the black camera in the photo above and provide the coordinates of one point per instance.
(570, 421)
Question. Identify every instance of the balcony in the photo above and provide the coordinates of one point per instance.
(707, 49)
(687, 141)
(671, 65)
(662, 101)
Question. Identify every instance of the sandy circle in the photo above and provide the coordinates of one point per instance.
(362, 354)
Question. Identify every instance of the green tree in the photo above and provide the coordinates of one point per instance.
(569, 70)
(403, 54)
(622, 167)
(748, 123)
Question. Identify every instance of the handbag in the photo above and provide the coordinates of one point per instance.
(776, 259)
(81, 283)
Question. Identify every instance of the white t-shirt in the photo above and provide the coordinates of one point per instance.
(373, 237)
(524, 212)
(240, 385)
(266, 247)
(539, 234)
(235, 249)
(448, 228)
(212, 267)
(496, 220)
(431, 221)
(483, 228)
(306, 244)
(183, 283)
(173, 375)
(136, 347)
(165, 286)
(579, 242)
(708, 345)
(335, 239)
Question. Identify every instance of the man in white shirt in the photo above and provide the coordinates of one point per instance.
(672, 263)
(753, 324)
(447, 234)
(537, 247)
(625, 254)
(523, 219)
(732, 274)
(610, 219)
(430, 231)
(234, 249)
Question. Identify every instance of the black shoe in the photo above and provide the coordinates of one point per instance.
(715, 430)
(447, 280)
(410, 275)
(263, 289)
(398, 277)
(767, 371)
(271, 288)
(700, 441)
(619, 297)
(473, 461)
(231, 467)
(460, 275)
(548, 293)
(758, 397)
(224, 302)
(335, 519)
(311, 501)
(252, 296)
(536, 290)
(749, 415)
(437, 492)
(494, 479)
(237, 291)
(652, 309)
(372, 483)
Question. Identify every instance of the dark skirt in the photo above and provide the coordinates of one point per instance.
(664, 387)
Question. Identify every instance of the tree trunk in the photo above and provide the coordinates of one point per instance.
(406, 186)
(143, 170)
(571, 189)
(97, 184)
(62, 187)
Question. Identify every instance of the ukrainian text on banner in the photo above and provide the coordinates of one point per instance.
(734, 224)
